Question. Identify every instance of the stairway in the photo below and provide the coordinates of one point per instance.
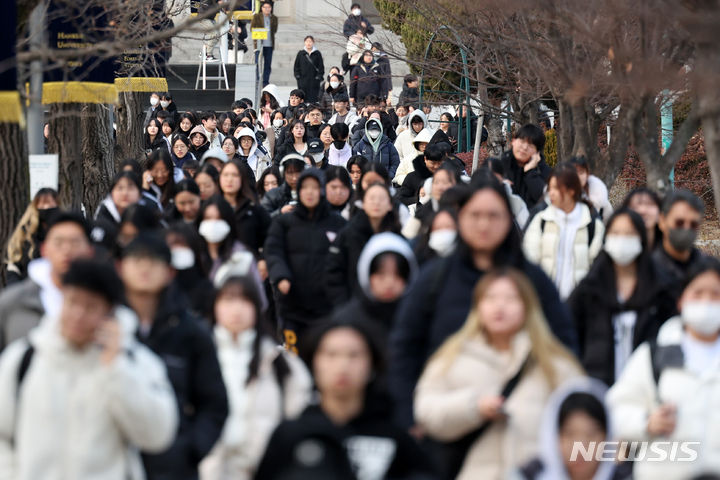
(289, 40)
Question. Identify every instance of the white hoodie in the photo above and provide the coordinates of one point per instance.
(80, 419)
(257, 161)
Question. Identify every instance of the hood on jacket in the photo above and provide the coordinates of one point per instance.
(111, 208)
(247, 132)
(377, 245)
(215, 152)
(417, 113)
(323, 206)
(315, 173)
(374, 143)
(420, 167)
(424, 136)
(199, 129)
(272, 89)
(549, 452)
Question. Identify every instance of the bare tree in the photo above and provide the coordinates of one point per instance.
(599, 63)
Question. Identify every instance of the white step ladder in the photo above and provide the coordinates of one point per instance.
(202, 71)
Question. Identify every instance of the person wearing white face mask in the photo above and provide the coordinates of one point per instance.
(334, 86)
(438, 235)
(191, 275)
(356, 21)
(217, 226)
(623, 300)
(154, 107)
(670, 388)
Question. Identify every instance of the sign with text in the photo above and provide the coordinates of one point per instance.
(44, 170)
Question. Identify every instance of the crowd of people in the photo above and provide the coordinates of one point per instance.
(322, 290)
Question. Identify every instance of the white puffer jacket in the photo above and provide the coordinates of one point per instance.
(74, 417)
(255, 409)
(696, 397)
(599, 197)
(446, 404)
(405, 145)
(542, 245)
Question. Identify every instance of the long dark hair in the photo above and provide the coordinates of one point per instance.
(656, 200)
(290, 137)
(247, 191)
(227, 214)
(244, 287)
(274, 105)
(273, 170)
(159, 137)
(376, 397)
(391, 221)
(509, 253)
(422, 250)
(162, 155)
(193, 122)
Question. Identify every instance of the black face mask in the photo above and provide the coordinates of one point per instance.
(46, 214)
(339, 144)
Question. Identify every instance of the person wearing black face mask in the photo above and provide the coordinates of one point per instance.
(24, 244)
(680, 219)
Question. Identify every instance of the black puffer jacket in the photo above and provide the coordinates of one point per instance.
(275, 199)
(594, 303)
(189, 355)
(529, 185)
(252, 223)
(366, 79)
(341, 265)
(296, 250)
(410, 189)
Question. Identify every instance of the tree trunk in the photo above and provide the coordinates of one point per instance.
(129, 120)
(15, 195)
(80, 133)
(496, 140)
(98, 160)
(564, 127)
(64, 138)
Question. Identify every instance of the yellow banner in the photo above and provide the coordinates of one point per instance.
(79, 92)
(10, 108)
(141, 84)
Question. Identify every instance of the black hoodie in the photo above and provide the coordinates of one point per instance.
(410, 190)
(368, 443)
(188, 352)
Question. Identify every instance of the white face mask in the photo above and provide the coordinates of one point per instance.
(373, 134)
(623, 249)
(154, 101)
(277, 123)
(334, 84)
(357, 12)
(214, 231)
(164, 103)
(182, 258)
(702, 317)
(443, 241)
